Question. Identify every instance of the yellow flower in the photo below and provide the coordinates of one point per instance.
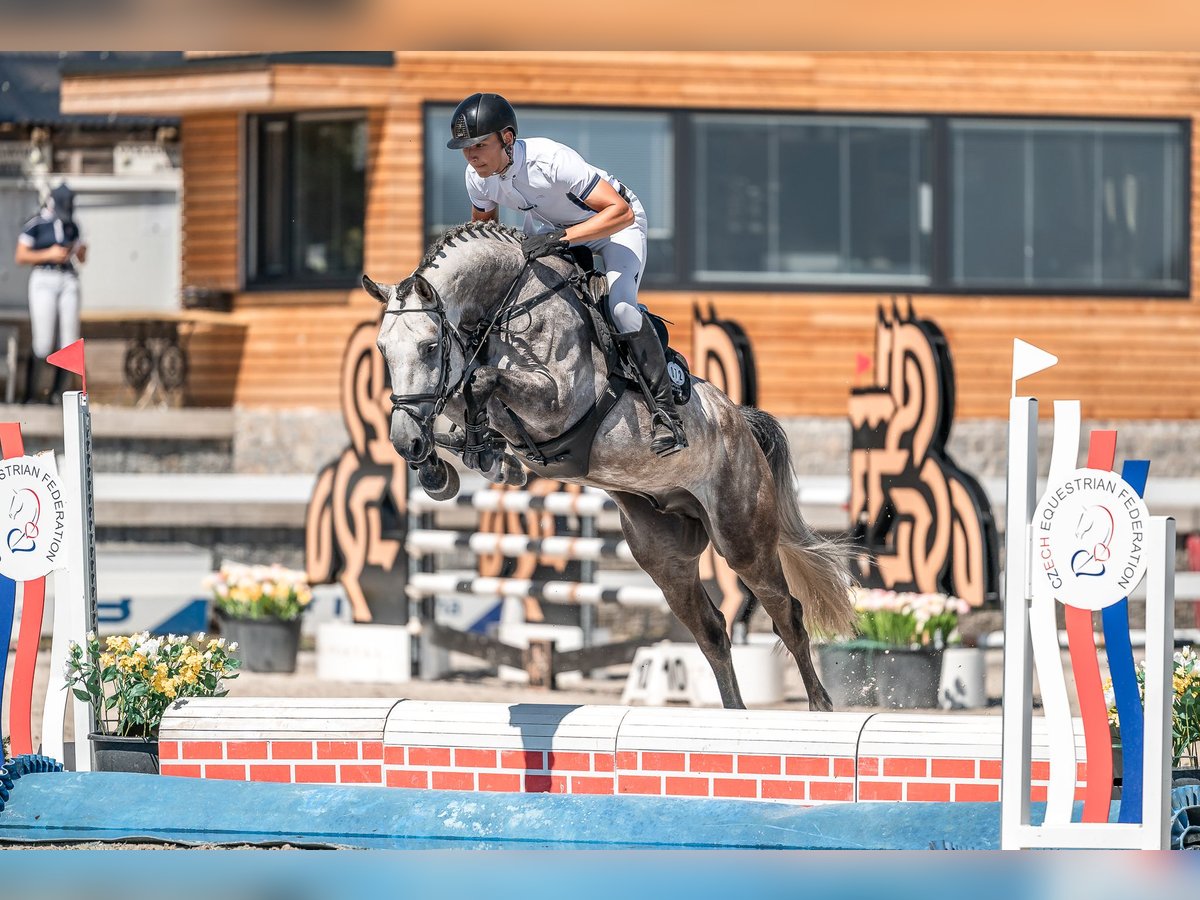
(106, 660)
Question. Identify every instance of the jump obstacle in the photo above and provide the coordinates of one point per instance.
(826, 768)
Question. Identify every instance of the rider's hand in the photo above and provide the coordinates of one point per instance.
(537, 245)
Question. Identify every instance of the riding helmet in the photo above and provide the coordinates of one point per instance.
(477, 117)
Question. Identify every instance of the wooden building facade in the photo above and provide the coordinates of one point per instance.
(1085, 247)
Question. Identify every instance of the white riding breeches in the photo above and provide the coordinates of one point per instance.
(53, 302)
(624, 260)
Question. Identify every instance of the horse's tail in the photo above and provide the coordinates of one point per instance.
(817, 568)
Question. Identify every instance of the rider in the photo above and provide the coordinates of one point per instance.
(568, 201)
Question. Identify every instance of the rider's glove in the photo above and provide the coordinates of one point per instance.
(537, 245)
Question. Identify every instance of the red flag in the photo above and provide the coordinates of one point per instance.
(862, 363)
(71, 359)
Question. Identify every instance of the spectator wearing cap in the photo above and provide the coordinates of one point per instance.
(52, 243)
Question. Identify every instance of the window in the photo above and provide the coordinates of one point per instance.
(1056, 205)
(844, 202)
(637, 148)
(307, 200)
(812, 200)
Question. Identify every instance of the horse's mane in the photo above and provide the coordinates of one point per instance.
(491, 230)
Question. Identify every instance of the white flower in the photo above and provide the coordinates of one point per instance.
(233, 646)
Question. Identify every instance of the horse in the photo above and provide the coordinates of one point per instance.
(508, 350)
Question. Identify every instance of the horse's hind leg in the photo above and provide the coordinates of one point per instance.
(750, 548)
(668, 547)
(765, 579)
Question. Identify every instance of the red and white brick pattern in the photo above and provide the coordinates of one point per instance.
(796, 757)
(276, 739)
(493, 747)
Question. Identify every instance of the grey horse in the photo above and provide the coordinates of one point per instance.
(501, 345)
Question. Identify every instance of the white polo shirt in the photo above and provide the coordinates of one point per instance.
(547, 181)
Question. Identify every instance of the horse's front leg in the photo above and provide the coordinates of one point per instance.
(483, 448)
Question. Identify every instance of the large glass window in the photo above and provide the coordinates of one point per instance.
(635, 147)
(307, 199)
(1045, 205)
(812, 200)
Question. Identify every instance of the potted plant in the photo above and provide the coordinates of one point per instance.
(132, 680)
(895, 657)
(1185, 714)
(260, 608)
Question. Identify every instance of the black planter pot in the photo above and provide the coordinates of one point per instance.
(847, 671)
(264, 645)
(124, 754)
(907, 678)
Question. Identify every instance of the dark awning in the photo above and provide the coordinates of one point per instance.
(29, 86)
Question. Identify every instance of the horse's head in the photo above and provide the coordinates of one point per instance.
(423, 354)
(460, 279)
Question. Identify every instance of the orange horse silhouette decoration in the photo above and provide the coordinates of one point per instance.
(925, 524)
(355, 526)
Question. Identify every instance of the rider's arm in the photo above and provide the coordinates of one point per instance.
(484, 215)
(613, 214)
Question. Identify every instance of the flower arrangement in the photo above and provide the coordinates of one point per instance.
(132, 680)
(259, 592)
(1185, 706)
(907, 619)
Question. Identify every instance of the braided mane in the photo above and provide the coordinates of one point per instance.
(491, 230)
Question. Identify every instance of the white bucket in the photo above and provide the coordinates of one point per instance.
(963, 678)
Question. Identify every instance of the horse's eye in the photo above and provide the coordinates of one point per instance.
(425, 348)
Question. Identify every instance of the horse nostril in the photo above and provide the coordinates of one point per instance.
(416, 451)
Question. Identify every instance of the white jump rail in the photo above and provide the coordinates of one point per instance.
(589, 503)
(423, 540)
(429, 584)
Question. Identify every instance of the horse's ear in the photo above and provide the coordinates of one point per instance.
(375, 290)
(424, 290)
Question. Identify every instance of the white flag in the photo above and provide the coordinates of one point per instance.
(1028, 359)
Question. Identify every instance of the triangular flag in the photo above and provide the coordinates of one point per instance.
(862, 363)
(1028, 359)
(71, 359)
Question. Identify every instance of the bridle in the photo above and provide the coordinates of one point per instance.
(424, 408)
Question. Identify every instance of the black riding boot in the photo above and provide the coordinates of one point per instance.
(33, 368)
(646, 351)
(54, 398)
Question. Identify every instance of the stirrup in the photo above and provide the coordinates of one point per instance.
(677, 437)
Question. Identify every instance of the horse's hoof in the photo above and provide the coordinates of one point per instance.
(438, 480)
(513, 472)
(820, 702)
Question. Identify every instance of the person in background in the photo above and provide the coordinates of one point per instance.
(52, 243)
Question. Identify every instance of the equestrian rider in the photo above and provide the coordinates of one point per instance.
(568, 201)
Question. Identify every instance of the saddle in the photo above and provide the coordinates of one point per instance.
(569, 454)
(596, 288)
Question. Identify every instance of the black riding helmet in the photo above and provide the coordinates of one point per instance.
(477, 117)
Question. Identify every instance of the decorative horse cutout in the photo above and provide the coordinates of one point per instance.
(495, 342)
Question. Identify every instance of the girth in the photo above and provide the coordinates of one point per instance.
(569, 454)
